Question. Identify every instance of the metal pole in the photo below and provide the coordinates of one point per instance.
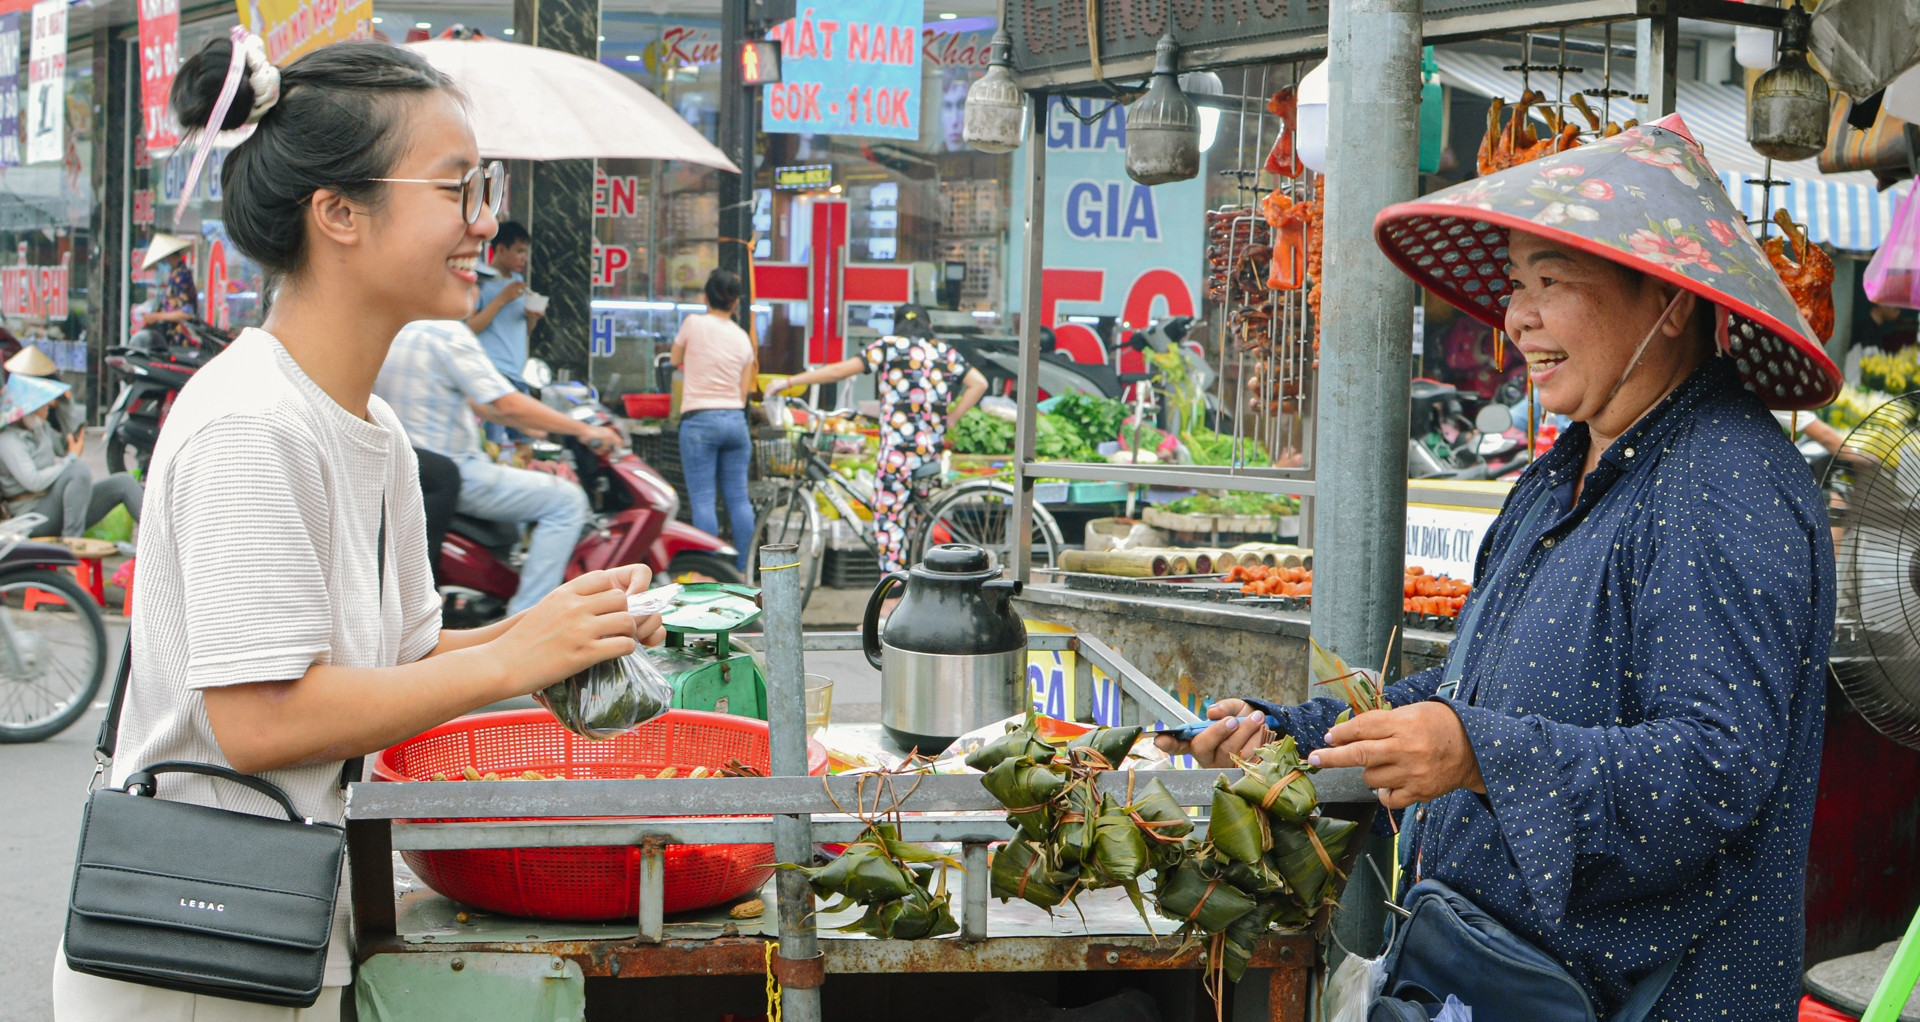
(787, 738)
(1656, 65)
(1360, 519)
(738, 110)
(1028, 394)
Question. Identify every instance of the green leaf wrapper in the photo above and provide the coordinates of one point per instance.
(1237, 829)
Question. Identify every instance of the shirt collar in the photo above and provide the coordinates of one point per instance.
(1715, 376)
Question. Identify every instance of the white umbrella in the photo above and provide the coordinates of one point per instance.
(531, 103)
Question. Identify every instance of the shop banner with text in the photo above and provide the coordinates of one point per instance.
(294, 27)
(47, 83)
(159, 60)
(10, 89)
(854, 73)
(1114, 247)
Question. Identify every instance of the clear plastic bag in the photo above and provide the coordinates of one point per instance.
(1353, 988)
(610, 698)
(1893, 276)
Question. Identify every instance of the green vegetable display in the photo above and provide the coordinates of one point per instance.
(1056, 439)
(977, 432)
(1096, 419)
(1236, 504)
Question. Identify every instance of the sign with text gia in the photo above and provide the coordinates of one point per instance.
(294, 27)
(159, 60)
(47, 83)
(852, 69)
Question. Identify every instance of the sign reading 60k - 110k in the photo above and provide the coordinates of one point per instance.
(852, 69)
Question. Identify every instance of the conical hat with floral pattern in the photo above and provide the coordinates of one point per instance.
(23, 395)
(1644, 198)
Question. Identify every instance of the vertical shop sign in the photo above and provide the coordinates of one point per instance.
(159, 60)
(47, 83)
(1113, 247)
(217, 283)
(294, 27)
(855, 73)
(10, 89)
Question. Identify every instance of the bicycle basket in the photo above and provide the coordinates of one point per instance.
(778, 456)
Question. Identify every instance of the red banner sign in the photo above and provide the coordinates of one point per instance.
(159, 60)
(35, 290)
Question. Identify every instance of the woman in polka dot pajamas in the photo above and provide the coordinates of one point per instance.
(916, 375)
(1619, 759)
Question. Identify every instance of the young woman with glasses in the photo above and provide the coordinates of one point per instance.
(287, 620)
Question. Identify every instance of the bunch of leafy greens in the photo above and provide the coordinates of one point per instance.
(1235, 504)
(977, 432)
(1096, 419)
(1210, 448)
(1057, 439)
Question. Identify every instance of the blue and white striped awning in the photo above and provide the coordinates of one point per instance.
(1845, 211)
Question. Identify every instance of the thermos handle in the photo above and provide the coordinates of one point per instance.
(870, 629)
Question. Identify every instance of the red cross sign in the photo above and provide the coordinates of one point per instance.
(827, 282)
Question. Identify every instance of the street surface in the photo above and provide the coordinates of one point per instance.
(40, 827)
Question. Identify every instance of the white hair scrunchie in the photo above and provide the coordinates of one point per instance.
(262, 76)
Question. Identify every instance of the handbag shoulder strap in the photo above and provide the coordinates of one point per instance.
(109, 735)
(1457, 658)
(1646, 993)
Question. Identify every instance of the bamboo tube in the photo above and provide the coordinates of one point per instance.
(1122, 563)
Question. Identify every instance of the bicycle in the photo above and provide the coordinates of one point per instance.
(976, 511)
(53, 657)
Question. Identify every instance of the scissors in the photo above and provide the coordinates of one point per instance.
(1184, 732)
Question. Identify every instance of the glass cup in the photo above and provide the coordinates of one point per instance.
(819, 703)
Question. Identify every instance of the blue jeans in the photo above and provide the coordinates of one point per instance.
(714, 444)
(558, 509)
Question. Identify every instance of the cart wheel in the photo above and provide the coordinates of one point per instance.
(982, 513)
(56, 654)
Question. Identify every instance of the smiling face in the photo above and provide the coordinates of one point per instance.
(420, 253)
(1578, 318)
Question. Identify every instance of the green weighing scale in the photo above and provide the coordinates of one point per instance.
(707, 669)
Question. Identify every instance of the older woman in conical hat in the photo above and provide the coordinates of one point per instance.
(1617, 762)
(41, 470)
(31, 361)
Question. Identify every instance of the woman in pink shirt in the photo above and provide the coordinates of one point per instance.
(717, 360)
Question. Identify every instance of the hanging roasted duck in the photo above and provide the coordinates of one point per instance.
(1806, 270)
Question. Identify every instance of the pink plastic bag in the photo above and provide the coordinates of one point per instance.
(1893, 277)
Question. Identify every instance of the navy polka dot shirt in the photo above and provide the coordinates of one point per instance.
(1645, 693)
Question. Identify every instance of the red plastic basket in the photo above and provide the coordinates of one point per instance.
(584, 883)
(647, 406)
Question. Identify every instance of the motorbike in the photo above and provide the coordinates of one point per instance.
(153, 368)
(634, 509)
(1445, 442)
(53, 641)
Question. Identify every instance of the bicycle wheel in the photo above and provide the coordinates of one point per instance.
(982, 513)
(791, 518)
(57, 656)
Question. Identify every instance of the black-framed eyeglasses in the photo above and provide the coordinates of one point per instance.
(481, 186)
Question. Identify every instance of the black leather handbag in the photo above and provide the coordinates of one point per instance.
(209, 901)
(188, 897)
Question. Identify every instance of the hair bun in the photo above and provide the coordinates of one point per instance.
(197, 85)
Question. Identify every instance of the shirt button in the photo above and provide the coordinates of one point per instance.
(1629, 452)
(1548, 542)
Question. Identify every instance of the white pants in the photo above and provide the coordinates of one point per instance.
(78, 997)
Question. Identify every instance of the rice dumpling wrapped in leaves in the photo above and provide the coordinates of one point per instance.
(1197, 893)
(1304, 855)
(1256, 879)
(1111, 743)
(1072, 841)
(1027, 789)
(1160, 816)
(863, 874)
(920, 915)
(1022, 742)
(1277, 780)
(1237, 830)
(1119, 849)
(1021, 870)
(1241, 936)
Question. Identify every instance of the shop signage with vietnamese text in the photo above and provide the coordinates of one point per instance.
(295, 27)
(616, 196)
(159, 61)
(10, 89)
(47, 83)
(40, 291)
(1445, 540)
(1114, 247)
(854, 73)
